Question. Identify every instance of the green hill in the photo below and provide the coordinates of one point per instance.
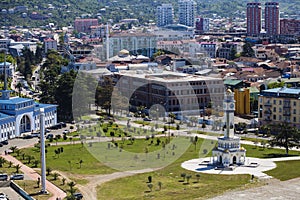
(63, 12)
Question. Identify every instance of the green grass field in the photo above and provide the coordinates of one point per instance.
(286, 170)
(68, 161)
(135, 187)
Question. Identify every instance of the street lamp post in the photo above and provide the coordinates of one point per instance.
(43, 159)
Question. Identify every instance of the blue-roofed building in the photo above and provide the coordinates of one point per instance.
(279, 105)
(20, 115)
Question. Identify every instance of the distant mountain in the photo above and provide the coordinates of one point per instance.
(63, 12)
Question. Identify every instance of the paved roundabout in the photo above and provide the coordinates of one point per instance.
(253, 166)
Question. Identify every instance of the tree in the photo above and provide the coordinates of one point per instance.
(285, 136)
(48, 171)
(80, 163)
(63, 180)
(2, 161)
(150, 186)
(18, 167)
(247, 50)
(198, 177)
(183, 175)
(104, 93)
(55, 175)
(19, 87)
(159, 185)
(72, 189)
(188, 177)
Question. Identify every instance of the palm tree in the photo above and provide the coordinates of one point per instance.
(48, 171)
(72, 185)
(80, 163)
(63, 181)
(55, 175)
(13, 148)
(18, 167)
(2, 161)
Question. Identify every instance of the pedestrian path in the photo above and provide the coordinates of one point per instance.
(30, 173)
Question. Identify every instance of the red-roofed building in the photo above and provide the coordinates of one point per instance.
(50, 43)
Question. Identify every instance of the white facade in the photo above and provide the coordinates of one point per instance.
(187, 10)
(164, 14)
(229, 152)
(136, 43)
(50, 44)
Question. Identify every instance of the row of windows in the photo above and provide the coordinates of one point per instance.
(7, 125)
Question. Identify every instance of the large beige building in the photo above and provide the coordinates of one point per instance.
(279, 105)
(176, 92)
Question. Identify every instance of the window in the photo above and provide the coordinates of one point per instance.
(295, 103)
(280, 102)
(274, 109)
(274, 117)
(294, 111)
(274, 101)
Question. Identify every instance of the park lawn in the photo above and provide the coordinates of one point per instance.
(31, 188)
(135, 187)
(285, 170)
(140, 145)
(5, 169)
(68, 161)
(260, 152)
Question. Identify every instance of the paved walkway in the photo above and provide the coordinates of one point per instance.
(31, 174)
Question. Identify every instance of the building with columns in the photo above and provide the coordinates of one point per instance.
(229, 151)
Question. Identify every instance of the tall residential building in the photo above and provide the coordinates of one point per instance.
(290, 27)
(253, 18)
(279, 105)
(272, 21)
(202, 25)
(84, 25)
(164, 15)
(187, 10)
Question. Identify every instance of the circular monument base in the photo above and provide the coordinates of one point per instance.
(252, 166)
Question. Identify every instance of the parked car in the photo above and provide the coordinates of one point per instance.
(147, 119)
(27, 136)
(66, 132)
(3, 177)
(78, 196)
(1, 145)
(17, 177)
(5, 142)
(35, 134)
(49, 136)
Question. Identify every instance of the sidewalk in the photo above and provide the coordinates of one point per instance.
(29, 172)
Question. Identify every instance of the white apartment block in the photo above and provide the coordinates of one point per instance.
(164, 15)
(187, 10)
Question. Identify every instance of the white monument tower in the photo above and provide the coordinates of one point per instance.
(229, 152)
